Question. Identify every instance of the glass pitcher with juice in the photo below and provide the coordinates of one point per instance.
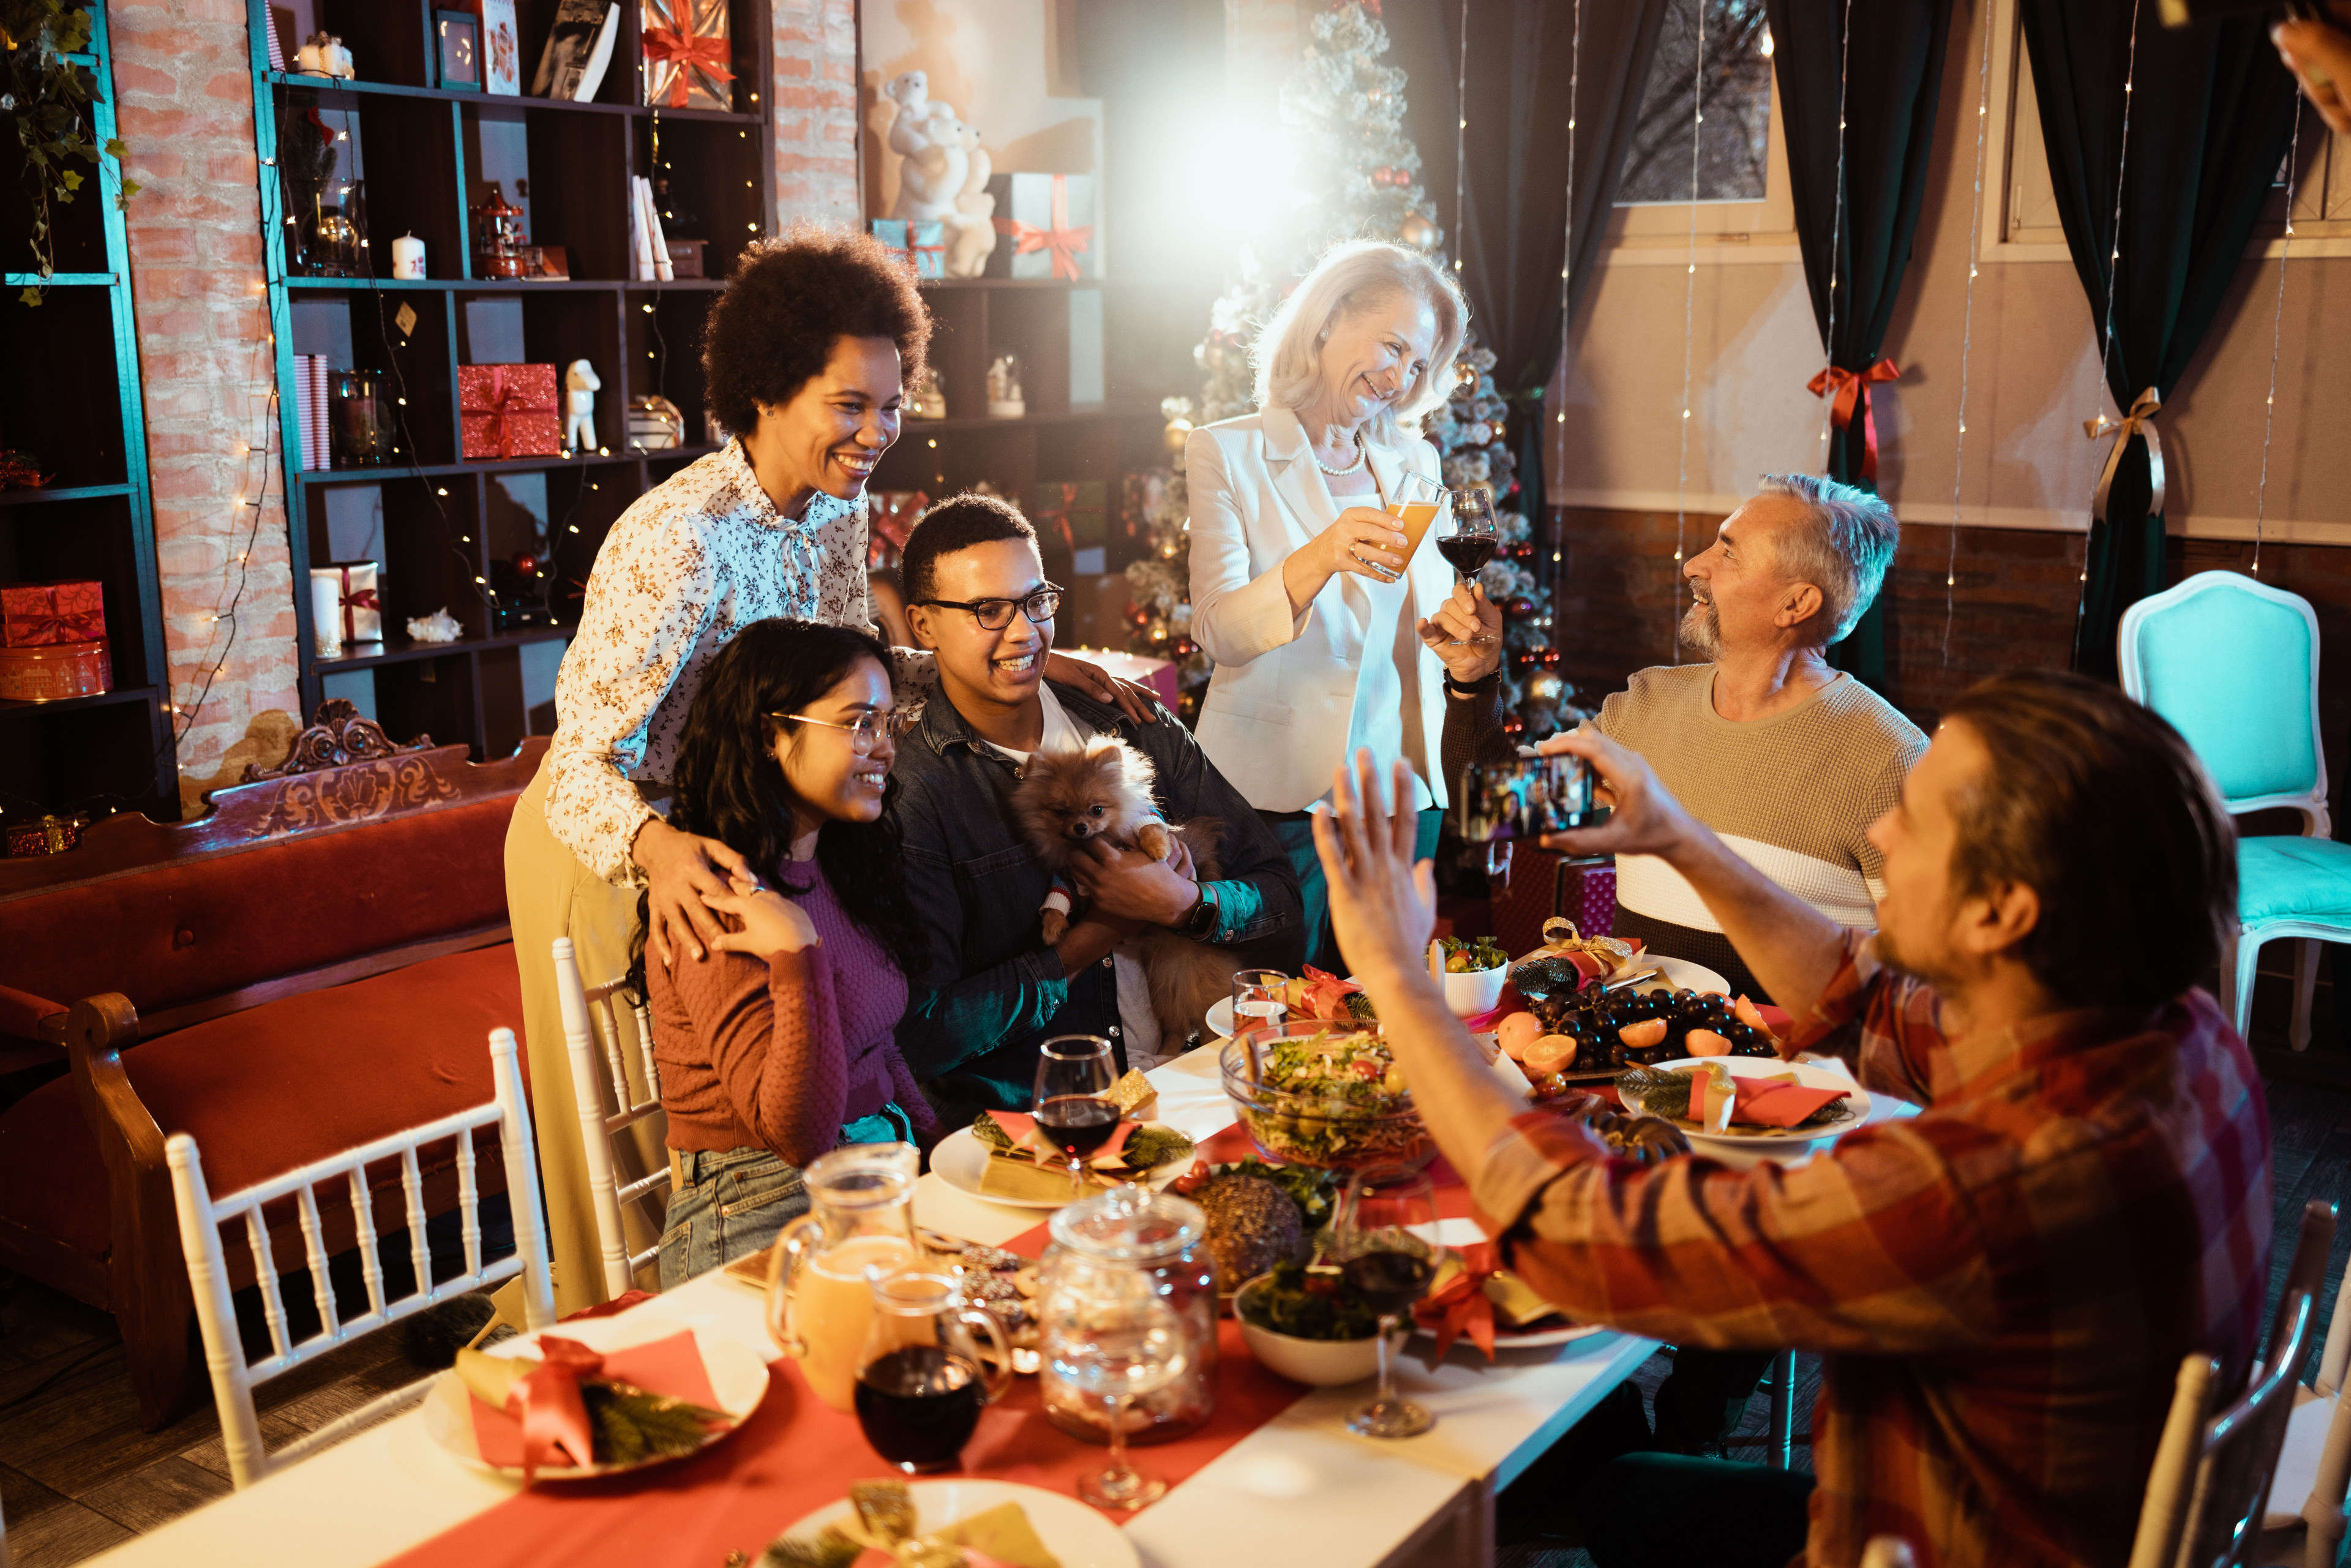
(1418, 500)
(859, 1226)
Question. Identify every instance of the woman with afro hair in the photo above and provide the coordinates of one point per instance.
(806, 358)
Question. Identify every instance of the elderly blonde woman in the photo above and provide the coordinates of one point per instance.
(1320, 627)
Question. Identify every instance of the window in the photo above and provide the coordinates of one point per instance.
(2021, 222)
(1741, 167)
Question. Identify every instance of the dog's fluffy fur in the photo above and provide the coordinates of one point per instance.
(1068, 798)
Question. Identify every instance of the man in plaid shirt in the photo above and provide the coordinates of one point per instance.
(2004, 1286)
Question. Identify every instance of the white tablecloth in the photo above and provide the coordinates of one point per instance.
(1300, 1488)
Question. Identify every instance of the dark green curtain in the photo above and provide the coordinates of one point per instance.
(2212, 114)
(1892, 73)
(1511, 239)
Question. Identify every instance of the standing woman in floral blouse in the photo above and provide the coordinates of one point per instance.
(806, 356)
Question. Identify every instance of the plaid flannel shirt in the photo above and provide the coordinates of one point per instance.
(2002, 1287)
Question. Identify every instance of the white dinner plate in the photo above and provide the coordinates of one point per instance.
(1850, 1114)
(1075, 1535)
(1528, 1339)
(1219, 1019)
(960, 1160)
(737, 1372)
(1681, 973)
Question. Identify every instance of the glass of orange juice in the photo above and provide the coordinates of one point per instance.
(1415, 503)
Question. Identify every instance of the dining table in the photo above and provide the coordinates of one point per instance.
(1299, 1487)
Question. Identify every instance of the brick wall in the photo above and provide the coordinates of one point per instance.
(2012, 606)
(185, 103)
(816, 112)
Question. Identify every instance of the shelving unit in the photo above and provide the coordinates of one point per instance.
(444, 528)
(70, 396)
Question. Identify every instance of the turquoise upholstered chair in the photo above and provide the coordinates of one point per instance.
(2234, 664)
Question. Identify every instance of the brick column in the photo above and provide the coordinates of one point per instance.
(184, 105)
(816, 112)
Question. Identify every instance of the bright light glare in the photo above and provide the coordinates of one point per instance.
(1240, 177)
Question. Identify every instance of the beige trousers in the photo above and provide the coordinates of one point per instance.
(549, 895)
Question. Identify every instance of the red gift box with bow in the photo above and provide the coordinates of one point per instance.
(38, 614)
(688, 56)
(508, 410)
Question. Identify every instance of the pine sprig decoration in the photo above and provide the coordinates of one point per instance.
(632, 1425)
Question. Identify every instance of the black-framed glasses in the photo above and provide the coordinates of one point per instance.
(996, 614)
(867, 732)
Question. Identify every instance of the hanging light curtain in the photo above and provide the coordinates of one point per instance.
(1892, 72)
(1511, 239)
(2212, 112)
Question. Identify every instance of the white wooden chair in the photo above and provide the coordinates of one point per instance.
(200, 1217)
(2234, 664)
(585, 1007)
(2315, 1465)
(2209, 1489)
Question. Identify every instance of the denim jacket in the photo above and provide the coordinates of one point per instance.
(991, 989)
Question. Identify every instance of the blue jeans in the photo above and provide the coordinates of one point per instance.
(732, 1205)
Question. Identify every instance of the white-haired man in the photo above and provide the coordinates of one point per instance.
(1787, 760)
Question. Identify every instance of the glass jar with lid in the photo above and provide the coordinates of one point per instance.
(1120, 1247)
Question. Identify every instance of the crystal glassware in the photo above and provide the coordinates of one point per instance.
(1383, 1238)
(1116, 1346)
(1074, 1072)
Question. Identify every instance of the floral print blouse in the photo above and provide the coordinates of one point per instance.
(690, 563)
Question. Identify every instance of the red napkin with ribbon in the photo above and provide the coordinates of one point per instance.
(545, 1421)
(1463, 1306)
(1018, 1126)
(1762, 1102)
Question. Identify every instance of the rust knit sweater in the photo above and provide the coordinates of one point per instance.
(779, 1054)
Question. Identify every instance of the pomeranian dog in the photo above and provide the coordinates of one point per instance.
(1067, 800)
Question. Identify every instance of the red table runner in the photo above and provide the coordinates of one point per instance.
(796, 1454)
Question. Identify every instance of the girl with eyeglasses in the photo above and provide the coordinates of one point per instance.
(778, 1046)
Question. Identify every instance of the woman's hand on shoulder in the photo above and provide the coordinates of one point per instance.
(681, 870)
(770, 923)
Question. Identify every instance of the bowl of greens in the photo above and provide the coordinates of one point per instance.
(1323, 1095)
(1476, 969)
(1309, 1325)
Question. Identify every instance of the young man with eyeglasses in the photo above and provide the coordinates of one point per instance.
(992, 988)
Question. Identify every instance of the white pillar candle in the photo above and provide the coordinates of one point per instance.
(327, 613)
(408, 256)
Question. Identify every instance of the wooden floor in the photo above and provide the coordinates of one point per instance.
(78, 1475)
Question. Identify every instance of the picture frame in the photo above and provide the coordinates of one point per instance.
(457, 50)
(544, 261)
(501, 48)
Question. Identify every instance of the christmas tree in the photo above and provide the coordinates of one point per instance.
(1343, 114)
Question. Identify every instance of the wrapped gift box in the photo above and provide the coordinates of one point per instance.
(891, 516)
(919, 244)
(52, 672)
(38, 614)
(1073, 516)
(1159, 674)
(1047, 221)
(508, 410)
(688, 55)
(344, 606)
(1543, 884)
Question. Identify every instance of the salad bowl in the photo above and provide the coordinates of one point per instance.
(1323, 1095)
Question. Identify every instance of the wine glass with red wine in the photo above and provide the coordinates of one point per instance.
(1474, 536)
(1383, 1239)
(1073, 1111)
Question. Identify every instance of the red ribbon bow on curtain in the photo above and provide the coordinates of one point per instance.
(1063, 241)
(364, 599)
(1845, 388)
(548, 1403)
(678, 47)
(1463, 1305)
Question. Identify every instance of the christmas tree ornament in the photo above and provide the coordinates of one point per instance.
(1546, 688)
(1514, 727)
(1519, 608)
(1416, 231)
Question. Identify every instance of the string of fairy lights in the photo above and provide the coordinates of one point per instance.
(1966, 333)
(2114, 274)
(1567, 258)
(1836, 241)
(2277, 331)
(1689, 326)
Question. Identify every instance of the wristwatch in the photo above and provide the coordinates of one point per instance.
(1477, 688)
(1201, 923)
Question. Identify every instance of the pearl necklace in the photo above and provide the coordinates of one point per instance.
(1345, 469)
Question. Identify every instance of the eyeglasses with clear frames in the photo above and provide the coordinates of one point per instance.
(867, 732)
(996, 614)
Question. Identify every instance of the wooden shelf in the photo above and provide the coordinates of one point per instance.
(503, 100)
(70, 394)
(61, 493)
(502, 284)
(399, 648)
(118, 697)
(953, 283)
(1074, 413)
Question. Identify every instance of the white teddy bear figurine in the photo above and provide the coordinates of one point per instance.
(943, 177)
(580, 389)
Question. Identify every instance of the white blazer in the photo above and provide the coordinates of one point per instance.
(1277, 716)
